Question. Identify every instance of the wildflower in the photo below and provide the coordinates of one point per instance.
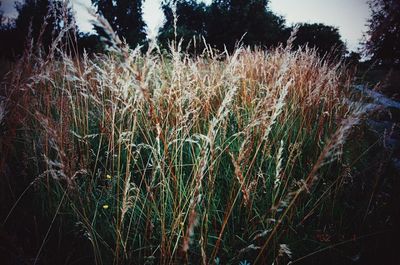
(108, 176)
(105, 206)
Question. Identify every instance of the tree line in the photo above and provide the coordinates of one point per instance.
(223, 23)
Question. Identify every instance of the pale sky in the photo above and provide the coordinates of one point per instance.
(350, 16)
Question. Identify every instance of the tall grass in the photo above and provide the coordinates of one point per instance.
(170, 158)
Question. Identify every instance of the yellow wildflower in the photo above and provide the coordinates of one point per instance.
(105, 206)
(108, 177)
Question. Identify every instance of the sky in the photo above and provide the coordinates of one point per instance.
(350, 16)
(8, 7)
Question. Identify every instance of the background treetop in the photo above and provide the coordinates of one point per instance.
(125, 17)
(383, 37)
(38, 21)
(224, 22)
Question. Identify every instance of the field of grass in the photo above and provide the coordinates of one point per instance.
(167, 158)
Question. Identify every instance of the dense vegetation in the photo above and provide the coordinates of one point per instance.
(222, 23)
(186, 159)
(170, 154)
(383, 38)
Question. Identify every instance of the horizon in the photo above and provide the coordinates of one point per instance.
(340, 14)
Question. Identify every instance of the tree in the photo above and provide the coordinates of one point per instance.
(90, 43)
(249, 20)
(191, 22)
(1, 17)
(125, 17)
(39, 21)
(225, 22)
(5, 46)
(326, 39)
(383, 36)
(353, 58)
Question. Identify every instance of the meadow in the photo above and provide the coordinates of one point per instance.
(162, 157)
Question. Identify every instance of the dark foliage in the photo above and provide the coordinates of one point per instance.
(383, 40)
(125, 17)
(354, 58)
(191, 23)
(224, 23)
(7, 43)
(326, 39)
(248, 20)
(90, 43)
(39, 22)
(1, 16)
